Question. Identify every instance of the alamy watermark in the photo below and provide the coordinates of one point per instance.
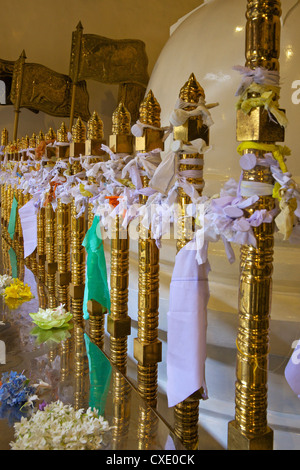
(177, 222)
(296, 94)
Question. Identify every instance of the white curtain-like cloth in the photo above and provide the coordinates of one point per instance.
(187, 327)
(29, 227)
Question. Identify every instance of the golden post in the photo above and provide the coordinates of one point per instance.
(77, 148)
(63, 221)
(147, 347)
(118, 322)
(249, 430)
(94, 154)
(187, 412)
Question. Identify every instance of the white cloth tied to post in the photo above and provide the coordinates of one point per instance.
(28, 217)
(187, 327)
(143, 164)
(166, 173)
(179, 115)
(138, 129)
(259, 75)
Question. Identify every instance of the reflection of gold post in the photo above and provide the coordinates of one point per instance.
(65, 357)
(121, 394)
(76, 50)
(249, 430)
(118, 322)
(147, 347)
(20, 65)
(187, 412)
(80, 367)
(77, 148)
(147, 428)
(63, 220)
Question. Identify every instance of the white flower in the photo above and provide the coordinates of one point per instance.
(60, 427)
(5, 281)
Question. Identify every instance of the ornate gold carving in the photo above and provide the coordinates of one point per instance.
(42, 89)
(79, 131)
(62, 133)
(121, 140)
(4, 137)
(110, 61)
(95, 127)
(32, 141)
(107, 60)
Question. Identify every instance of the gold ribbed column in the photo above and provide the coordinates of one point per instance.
(80, 367)
(250, 430)
(50, 222)
(63, 225)
(77, 148)
(186, 413)
(147, 347)
(65, 360)
(118, 322)
(121, 406)
(147, 428)
(41, 240)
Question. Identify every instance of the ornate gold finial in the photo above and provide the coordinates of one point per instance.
(32, 141)
(62, 133)
(150, 110)
(8, 147)
(40, 137)
(50, 134)
(14, 147)
(79, 131)
(19, 144)
(121, 120)
(95, 127)
(26, 142)
(191, 90)
(4, 137)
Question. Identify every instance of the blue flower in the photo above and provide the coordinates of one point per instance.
(15, 389)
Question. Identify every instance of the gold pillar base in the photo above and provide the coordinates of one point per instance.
(239, 441)
(186, 423)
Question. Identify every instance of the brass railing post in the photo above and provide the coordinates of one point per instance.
(249, 430)
(187, 412)
(94, 154)
(63, 223)
(118, 321)
(147, 347)
(77, 148)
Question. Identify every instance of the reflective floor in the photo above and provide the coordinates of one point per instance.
(76, 370)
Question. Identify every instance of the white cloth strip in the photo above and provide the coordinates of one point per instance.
(253, 188)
